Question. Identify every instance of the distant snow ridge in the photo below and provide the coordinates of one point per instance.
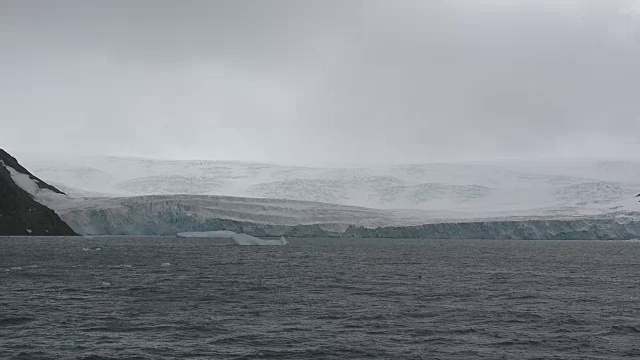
(321, 190)
(171, 184)
(594, 192)
(423, 193)
(374, 191)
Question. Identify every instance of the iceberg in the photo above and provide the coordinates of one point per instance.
(239, 239)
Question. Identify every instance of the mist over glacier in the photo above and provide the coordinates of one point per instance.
(444, 190)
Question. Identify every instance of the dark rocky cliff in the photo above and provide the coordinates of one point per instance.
(20, 214)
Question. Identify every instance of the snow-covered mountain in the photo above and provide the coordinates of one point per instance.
(442, 191)
(20, 211)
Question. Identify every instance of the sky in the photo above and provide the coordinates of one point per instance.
(321, 81)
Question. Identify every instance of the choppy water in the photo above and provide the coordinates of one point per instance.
(166, 298)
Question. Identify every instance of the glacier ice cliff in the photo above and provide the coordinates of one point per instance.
(552, 229)
(168, 215)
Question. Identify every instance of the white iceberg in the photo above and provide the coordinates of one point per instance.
(240, 239)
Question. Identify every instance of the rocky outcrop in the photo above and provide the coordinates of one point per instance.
(20, 214)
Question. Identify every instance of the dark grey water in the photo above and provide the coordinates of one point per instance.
(165, 298)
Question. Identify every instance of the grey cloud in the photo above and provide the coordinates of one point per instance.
(329, 81)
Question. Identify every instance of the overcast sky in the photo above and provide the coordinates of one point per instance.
(322, 81)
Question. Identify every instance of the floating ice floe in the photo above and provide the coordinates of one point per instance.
(90, 249)
(239, 239)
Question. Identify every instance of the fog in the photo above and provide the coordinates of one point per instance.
(331, 81)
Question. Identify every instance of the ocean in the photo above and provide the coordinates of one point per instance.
(170, 298)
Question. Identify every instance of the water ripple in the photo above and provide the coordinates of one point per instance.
(164, 298)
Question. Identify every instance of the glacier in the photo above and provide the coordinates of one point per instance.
(128, 196)
(456, 191)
